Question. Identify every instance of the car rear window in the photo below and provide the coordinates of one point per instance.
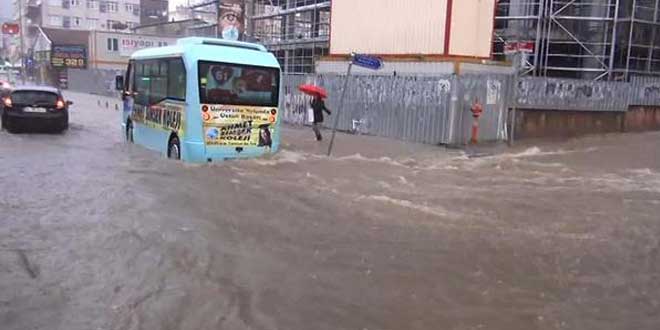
(33, 97)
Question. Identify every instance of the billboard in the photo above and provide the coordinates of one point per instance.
(231, 20)
(10, 28)
(128, 44)
(69, 56)
(412, 27)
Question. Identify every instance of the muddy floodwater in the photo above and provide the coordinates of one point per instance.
(96, 234)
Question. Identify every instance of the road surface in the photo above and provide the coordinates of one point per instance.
(99, 234)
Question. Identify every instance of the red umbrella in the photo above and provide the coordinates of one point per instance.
(313, 90)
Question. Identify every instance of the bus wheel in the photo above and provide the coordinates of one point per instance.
(129, 131)
(174, 148)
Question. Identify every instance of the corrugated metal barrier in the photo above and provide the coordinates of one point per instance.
(572, 94)
(434, 110)
(645, 91)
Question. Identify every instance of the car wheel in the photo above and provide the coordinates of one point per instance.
(9, 126)
(174, 148)
(129, 131)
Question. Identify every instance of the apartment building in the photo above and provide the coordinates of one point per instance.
(114, 15)
(153, 11)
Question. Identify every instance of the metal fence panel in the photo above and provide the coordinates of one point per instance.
(490, 91)
(406, 108)
(295, 103)
(645, 91)
(572, 94)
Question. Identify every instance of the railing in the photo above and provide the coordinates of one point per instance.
(434, 110)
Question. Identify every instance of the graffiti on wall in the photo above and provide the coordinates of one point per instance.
(572, 94)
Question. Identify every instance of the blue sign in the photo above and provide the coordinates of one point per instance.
(367, 61)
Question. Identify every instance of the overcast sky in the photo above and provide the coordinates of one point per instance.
(174, 3)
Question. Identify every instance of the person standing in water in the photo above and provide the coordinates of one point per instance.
(318, 106)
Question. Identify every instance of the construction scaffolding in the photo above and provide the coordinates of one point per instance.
(586, 39)
(296, 31)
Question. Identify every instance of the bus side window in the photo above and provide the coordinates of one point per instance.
(176, 80)
(142, 83)
(158, 79)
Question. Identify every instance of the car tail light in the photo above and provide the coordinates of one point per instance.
(60, 104)
(7, 102)
(6, 85)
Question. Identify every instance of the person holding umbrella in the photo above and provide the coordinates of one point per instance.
(318, 106)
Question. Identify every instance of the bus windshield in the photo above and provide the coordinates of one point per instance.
(235, 84)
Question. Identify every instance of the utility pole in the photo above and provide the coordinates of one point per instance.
(20, 31)
(218, 33)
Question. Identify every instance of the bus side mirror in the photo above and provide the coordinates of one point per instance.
(119, 83)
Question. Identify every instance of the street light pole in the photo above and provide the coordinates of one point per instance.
(341, 106)
(20, 31)
(218, 33)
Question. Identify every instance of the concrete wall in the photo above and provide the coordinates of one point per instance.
(409, 68)
(642, 118)
(401, 68)
(554, 123)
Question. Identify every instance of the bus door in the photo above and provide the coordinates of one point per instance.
(128, 99)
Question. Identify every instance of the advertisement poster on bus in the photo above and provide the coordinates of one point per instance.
(166, 115)
(239, 126)
(232, 19)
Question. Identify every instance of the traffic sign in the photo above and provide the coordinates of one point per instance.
(367, 61)
(514, 47)
(10, 28)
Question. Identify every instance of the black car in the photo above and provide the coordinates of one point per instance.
(35, 107)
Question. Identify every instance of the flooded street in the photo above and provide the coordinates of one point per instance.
(99, 234)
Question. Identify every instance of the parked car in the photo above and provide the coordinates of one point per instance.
(35, 107)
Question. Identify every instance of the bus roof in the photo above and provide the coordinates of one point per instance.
(212, 49)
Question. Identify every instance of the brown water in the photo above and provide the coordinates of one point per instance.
(97, 234)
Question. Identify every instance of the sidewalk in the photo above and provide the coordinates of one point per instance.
(301, 139)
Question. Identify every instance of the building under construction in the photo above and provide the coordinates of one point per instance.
(588, 39)
(296, 31)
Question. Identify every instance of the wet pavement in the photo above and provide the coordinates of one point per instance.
(99, 234)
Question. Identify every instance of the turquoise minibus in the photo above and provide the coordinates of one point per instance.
(202, 100)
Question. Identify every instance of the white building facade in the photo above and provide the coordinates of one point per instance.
(115, 15)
